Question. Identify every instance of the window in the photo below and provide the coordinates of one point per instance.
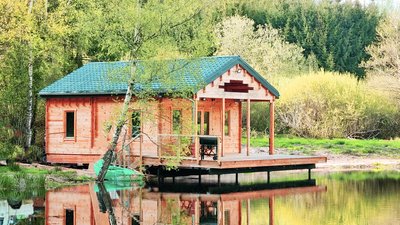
(135, 123)
(227, 123)
(70, 124)
(69, 217)
(206, 125)
(199, 131)
(177, 121)
(203, 123)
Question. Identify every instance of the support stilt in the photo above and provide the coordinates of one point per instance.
(237, 178)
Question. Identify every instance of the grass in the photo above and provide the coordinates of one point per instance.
(389, 148)
(54, 178)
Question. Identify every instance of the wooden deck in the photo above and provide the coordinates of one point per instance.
(237, 163)
(240, 161)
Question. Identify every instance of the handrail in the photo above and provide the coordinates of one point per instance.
(195, 138)
(189, 135)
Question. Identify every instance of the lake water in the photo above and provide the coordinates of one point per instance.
(354, 198)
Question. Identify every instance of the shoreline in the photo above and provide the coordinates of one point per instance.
(335, 162)
(352, 163)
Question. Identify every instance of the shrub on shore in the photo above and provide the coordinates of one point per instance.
(327, 105)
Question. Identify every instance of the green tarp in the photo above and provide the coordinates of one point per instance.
(117, 173)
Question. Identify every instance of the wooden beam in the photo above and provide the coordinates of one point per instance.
(91, 122)
(160, 122)
(223, 126)
(248, 127)
(46, 130)
(196, 146)
(141, 141)
(248, 211)
(197, 211)
(219, 214)
(271, 127)
(271, 210)
(240, 128)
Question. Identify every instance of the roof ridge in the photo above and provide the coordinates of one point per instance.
(127, 61)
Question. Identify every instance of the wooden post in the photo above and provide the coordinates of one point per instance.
(223, 126)
(91, 121)
(271, 210)
(248, 211)
(141, 142)
(160, 121)
(219, 214)
(271, 127)
(240, 127)
(196, 146)
(197, 211)
(248, 127)
(159, 147)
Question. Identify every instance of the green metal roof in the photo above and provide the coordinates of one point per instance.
(99, 78)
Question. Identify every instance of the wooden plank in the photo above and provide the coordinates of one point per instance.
(72, 158)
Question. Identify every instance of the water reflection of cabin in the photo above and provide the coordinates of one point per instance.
(83, 205)
(81, 107)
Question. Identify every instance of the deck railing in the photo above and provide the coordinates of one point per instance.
(184, 146)
(169, 147)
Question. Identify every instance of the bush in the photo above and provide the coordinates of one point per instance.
(327, 105)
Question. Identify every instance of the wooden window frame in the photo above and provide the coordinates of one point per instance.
(65, 125)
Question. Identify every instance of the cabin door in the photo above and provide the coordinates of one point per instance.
(203, 122)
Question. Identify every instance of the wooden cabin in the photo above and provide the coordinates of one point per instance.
(204, 129)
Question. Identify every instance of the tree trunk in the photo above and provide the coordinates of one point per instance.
(108, 156)
(29, 114)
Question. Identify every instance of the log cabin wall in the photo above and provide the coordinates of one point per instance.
(76, 200)
(94, 116)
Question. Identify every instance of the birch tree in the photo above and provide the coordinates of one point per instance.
(156, 31)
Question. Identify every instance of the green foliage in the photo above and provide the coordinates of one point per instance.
(263, 47)
(385, 53)
(332, 105)
(335, 32)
